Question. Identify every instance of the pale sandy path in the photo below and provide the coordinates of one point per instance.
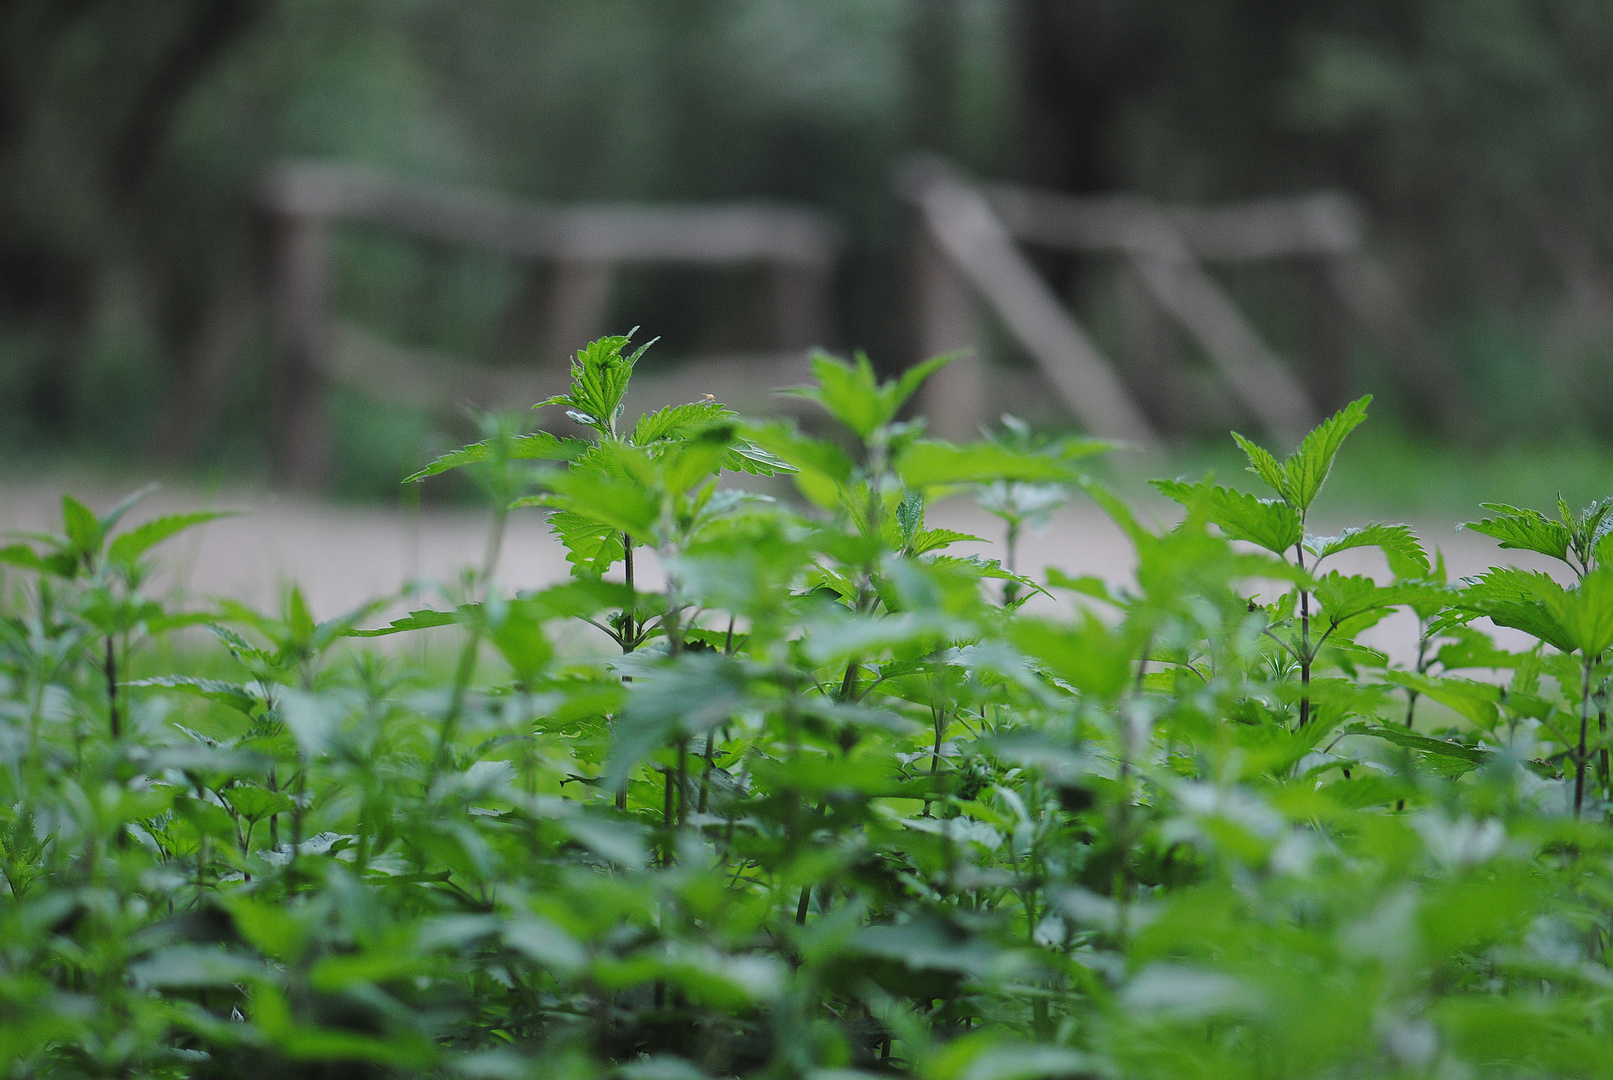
(343, 556)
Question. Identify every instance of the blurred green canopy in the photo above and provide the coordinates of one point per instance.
(133, 132)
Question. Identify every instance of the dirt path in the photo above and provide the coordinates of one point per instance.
(343, 556)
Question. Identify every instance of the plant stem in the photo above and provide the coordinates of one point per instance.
(938, 720)
(1011, 564)
(628, 630)
(111, 670)
(705, 773)
(683, 780)
(1579, 754)
(666, 818)
(1422, 668)
(1603, 770)
(628, 634)
(467, 656)
(1304, 641)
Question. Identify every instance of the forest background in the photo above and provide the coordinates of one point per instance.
(1477, 133)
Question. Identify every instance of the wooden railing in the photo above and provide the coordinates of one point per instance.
(970, 254)
(583, 246)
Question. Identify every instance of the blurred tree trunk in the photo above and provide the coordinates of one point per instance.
(114, 75)
(1075, 64)
(933, 85)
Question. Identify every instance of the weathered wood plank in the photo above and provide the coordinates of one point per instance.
(966, 228)
(948, 317)
(300, 289)
(1323, 224)
(1164, 257)
(616, 233)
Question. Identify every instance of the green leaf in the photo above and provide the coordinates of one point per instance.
(234, 695)
(848, 392)
(256, 803)
(1269, 523)
(599, 377)
(1526, 600)
(929, 464)
(20, 853)
(1263, 465)
(83, 528)
(746, 457)
(1401, 736)
(517, 632)
(676, 701)
(610, 504)
(1087, 655)
(191, 966)
(821, 468)
(1343, 597)
(927, 540)
(24, 556)
(1300, 477)
(1394, 540)
(271, 929)
(914, 377)
(696, 457)
(401, 1050)
(591, 546)
(1523, 529)
(1473, 700)
(537, 445)
(851, 393)
(110, 519)
(1588, 613)
(128, 547)
(679, 421)
(1306, 469)
(424, 619)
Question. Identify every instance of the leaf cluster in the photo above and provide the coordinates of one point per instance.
(814, 795)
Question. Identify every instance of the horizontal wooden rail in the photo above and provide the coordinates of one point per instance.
(576, 249)
(1323, 224)
(616, 233)
(1326, 227)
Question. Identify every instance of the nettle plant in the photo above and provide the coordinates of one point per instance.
(833, 796)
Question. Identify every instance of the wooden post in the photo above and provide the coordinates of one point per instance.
(1328, 362)
(581, 305)
(1152, 359)
(301, 444)
(212, 354)
(954, 398)
(799, 291)
(1254, 373)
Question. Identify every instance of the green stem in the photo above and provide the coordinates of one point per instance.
(110, 669)
(1422, 668)
(1579, 754)
(1304, 640)
(628, 637)
(467, 656)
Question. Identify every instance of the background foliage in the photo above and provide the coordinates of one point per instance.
(132, 135)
